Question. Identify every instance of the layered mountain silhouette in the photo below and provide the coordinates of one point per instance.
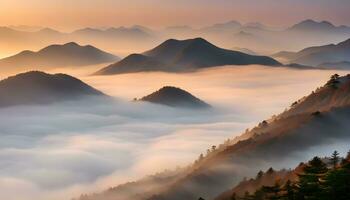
(184, 55)
(313, 121)
(119, 40)
(335, 65)
(318, 55)
(35, 87)
(134, 63)
(136, 32)
(230, 26)
(70, 54)
(314, 26)
(175, 97)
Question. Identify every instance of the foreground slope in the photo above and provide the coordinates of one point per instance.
(36, 87)
(184, 55)
(320, 119)
(175, 97)
(69, 54)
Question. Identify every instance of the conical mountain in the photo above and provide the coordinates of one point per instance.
(36, 88)
(175, 97)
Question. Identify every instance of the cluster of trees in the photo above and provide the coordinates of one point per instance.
(334, 80)
(317, 181)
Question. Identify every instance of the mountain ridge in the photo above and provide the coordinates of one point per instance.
(37, 88)
(175, 97)
(57, 55)
(192, 54)
(316, 55)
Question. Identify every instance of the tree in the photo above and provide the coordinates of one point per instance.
(348, 156)
(259, 175)
(289, 189)
(208, 151)
(201, 157)
(309, 185)
(335, 159)
(233, 196)
(270, 171)
(333, 81)
(337, 182)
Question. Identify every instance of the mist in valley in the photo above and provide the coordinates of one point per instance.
(61, 150)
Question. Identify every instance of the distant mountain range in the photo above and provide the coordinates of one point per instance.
(314, 26)
(136, 33)
(116, 40)
(183, 55)
(70, 54)
(125, 40)
(37, 88)
(335, 65)
(175, 97)
(318, 55)
(311, 122)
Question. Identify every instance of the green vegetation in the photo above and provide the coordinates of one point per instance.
(316, 181)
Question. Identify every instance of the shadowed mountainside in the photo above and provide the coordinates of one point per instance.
(69, 54)
(36, 87)
(184, 55)
(318, 55)
(175, 97)
(269, 178)
(345, 65)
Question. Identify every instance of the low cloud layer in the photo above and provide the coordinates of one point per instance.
(61, 150)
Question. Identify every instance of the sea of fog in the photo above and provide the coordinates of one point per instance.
(62, 150)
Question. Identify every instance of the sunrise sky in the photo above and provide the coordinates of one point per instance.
(69, 14)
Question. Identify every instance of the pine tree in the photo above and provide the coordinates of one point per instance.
(289, 190)
(270, 171)
(337, 182)
(260, 175)
(309, 186)
(335, 159)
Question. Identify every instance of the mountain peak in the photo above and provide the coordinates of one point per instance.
(175, 97)
(72, 44)
(48, 31)
(312, 25)
(185, 55)
(57, 55)
(36, 87)
(345, 43)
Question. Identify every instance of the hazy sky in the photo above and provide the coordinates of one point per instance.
(70, 14)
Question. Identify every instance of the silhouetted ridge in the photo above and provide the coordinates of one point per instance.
(189, 55)
(133, 63)
(175, 97)
(311, 25)
(317, 55)
(37, 87)
(69, 54)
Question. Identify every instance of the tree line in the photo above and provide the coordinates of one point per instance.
(318, 179)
